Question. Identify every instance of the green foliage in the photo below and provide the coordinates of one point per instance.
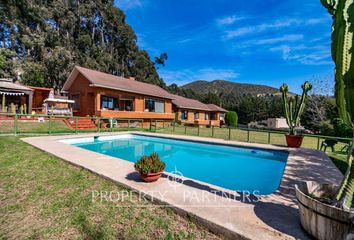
(150, 164)
(293, 107)
(231, 119)
(342, 42)
(341, 129)
(342, 55)
(327, 129)
(211, 98)
(57, 35)
(251, 102)
(6, 63)
(33, 74)
(13, 108)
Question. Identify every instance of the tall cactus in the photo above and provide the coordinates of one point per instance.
(293, 107)
(342, 12)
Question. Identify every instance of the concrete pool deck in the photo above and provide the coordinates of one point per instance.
(234, 215)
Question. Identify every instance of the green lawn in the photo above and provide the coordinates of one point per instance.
(241, 135)
(42, 197)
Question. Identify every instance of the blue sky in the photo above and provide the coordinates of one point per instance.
(264, 42)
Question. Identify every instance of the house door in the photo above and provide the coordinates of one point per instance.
(90, 104)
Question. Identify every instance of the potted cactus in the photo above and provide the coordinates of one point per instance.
(150, 167)
(293, 108)
(326, 210)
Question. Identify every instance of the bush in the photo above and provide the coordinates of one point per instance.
(326, 129)
(150, 164)
(231, 119)
(341, 129)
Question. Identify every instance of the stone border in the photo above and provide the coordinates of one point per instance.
(275, 216)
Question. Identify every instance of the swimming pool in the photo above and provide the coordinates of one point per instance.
(230, 167)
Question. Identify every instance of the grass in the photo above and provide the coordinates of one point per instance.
(43, 197)
(242, 135)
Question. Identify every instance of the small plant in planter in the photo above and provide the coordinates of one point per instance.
(293, 109)
(150, 167)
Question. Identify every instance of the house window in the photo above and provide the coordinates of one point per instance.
(109, 103)
(152, 105)
(213, 116)
(184, 115)
(222, 116)
(126, 103)
(206, 116)
(196, 115)
(76, 98)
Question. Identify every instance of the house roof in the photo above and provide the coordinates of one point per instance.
(216, 108)
(187, 103)
(104, 80)
(8, 85)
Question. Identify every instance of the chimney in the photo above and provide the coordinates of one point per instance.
(132, 78)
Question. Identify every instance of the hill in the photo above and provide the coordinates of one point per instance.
(226, 88)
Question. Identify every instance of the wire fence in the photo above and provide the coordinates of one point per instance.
(26, 124)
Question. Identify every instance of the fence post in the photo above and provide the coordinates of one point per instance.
(185, 129)
(150, 124)
(76, 124)
(128, 123)
(248, 135)
(212, 131)
(163, 124)
(229, 133)
(198, 129)
(318, 143)
(15, 124)
(268, 137)
(155, 125)
(111, 124)
(50, 125)
(142, 123)
(99, 124)
(174, 125)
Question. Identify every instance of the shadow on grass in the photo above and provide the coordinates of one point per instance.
(88, 229)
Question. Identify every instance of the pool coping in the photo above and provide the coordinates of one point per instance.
(275, 216)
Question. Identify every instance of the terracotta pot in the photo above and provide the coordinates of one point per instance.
(293, 141)
(321, 220)
(150, 177)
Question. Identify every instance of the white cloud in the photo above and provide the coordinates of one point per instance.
(129, 4)
(284, 49)
(300, 54)
(230, 34)
(285, 38)
(184, 76)
(228, 20)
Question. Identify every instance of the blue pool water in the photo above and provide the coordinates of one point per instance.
(234, 168)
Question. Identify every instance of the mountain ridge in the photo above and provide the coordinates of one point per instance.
(228, 87)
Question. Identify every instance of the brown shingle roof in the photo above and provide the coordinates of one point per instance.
(7, 84)
(104, 80)
(216, 108)
(187, 103)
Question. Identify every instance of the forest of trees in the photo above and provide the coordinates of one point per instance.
(43, 39)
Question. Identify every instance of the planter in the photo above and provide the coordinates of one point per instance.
(150, 177)
(294, 141)
(320, 220)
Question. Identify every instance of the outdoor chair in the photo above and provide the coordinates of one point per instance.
(328, 143)
(345, 148)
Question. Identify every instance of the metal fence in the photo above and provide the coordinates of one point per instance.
(26, 124)
(257, 136)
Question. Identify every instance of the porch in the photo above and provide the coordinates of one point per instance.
(15, 98)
